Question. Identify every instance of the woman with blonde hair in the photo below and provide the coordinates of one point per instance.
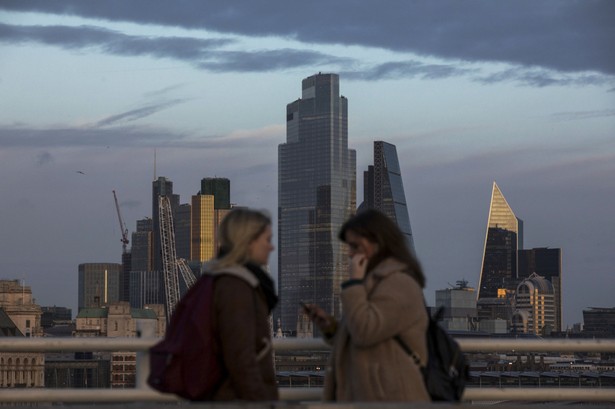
(244, 296)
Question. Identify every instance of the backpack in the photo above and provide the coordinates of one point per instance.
(447, 371)
(186, 361)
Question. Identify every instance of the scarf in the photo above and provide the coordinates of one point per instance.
(266, 284)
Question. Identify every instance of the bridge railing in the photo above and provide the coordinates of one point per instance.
(142, 392)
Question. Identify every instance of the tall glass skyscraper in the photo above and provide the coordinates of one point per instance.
(499, 274)
(316, 194)
(383, 188)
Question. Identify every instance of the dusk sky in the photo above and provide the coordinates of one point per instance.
(517, 92)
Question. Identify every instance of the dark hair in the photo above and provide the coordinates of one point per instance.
(378, 228)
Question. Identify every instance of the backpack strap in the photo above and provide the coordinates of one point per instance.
(405, 347)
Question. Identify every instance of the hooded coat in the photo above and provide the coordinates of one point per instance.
(367, 363)
(243, 334)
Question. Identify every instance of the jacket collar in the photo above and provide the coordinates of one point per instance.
(236, 270)
(384, 269)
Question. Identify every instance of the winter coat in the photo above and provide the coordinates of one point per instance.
(367, 363)
(243, 334)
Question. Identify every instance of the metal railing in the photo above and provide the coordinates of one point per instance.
(142, 392)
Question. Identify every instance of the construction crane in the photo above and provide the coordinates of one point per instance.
(123, 228)
(171, 265)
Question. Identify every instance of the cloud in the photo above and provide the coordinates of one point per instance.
(407, 69)
(566, 36)
(138, 113)
(573, 116)
(134, 136)
(540, 77)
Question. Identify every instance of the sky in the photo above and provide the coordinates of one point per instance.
(517, 92)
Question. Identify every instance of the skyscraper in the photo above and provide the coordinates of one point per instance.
(220, 188)
(316, 194)
(499, 275)
(208, 209)
(534, 306)
(546, 263)
(160, 187)
(383, 188)
(202, 224)
(99, 284)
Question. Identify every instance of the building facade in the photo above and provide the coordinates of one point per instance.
(499, 273)
(120, 320)
(459, 307)
(316, 194)
(20, 317)
(546, 263)
(534, 306)
(383, 189)
(599, 322)
(99, 284)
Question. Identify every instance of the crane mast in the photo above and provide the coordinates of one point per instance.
(171, 265)
(169, 256)
(123, 228)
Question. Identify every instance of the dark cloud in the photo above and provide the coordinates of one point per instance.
(138, 113)
(268, 60)
(568, 36)
(539, 77)
(131, 136)
(407, 69)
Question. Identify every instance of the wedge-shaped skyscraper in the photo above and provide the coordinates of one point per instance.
(499, 274)
(383, 188)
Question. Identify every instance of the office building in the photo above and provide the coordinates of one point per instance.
(220, 189)
(534, 306)
(383, 188)
(142, 247)
(499, 273)
(146, 287)
(599, 322)
(203, 228)
(208, 209)
(182, 224)
(546, 263)
(18, 303)
(98, 284)
(160, 187)
(458, 307)
(316, 194)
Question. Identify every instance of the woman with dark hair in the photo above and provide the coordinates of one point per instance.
(243, 299)
(381, 300)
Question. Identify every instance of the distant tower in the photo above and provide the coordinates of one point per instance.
(220, 188)
(499, 276)
(383, 188)
(546, 263)
(99, 284)
(534, 306)
(208, 209)
(160, 187)
(316, 194)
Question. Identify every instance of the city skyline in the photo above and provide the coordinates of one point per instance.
(89, 93)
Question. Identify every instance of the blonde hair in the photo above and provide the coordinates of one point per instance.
(240, 227)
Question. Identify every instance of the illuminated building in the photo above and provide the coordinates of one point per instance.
(534, 306)
(499, 276)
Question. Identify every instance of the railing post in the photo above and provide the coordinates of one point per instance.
(142, 366)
